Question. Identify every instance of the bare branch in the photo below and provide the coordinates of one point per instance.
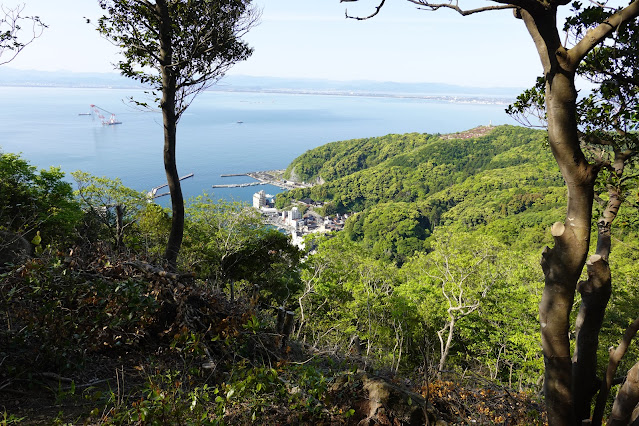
(456, 8)
(10, 31)
(359, 18)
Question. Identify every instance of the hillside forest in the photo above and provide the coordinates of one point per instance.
(432, 288)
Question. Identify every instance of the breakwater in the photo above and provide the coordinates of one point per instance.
(268, 177)
(238, 185)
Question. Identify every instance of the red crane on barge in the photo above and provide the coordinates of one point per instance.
(105, 121)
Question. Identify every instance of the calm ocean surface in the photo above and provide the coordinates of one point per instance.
(43, 124)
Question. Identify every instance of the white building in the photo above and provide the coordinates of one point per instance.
(295, 213)
(259, 199)
(297, 239)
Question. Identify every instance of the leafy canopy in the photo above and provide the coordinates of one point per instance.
(204, 38)
(32, 200)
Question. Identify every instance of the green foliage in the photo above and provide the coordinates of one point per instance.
(532, 102)
(396, 314)
(339, 159)
(434, 165)
(228, 241)
(12, 36)
(32, 201)
(622, 307)
(167, 399)
(110, 207)
(505, 180)
(203, 39)
(64, 316)
(490, 293)
(216, 235)
(612, 67)
(153, 226)
(392, 231)
(348, 294)
(501, 190)
(10, 419)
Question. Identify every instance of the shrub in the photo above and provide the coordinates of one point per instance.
(32, 201)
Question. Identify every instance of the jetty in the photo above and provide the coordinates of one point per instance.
(153, 193)
(238, 185)
(268, 177)
(233, 174)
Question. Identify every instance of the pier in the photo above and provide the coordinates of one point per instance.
(234, 174)
(153, 193)
(238, 185)
(268, 177)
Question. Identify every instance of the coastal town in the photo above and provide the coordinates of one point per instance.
(300, 221)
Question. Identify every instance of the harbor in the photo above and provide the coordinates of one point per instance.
(268, 177)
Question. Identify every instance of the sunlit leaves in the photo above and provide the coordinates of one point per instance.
(32, 200)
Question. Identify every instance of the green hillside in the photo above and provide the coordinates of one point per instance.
(338, 159)
(446, 240)
(403, 186)
(362, 172)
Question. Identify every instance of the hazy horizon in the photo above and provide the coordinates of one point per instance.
(10, 76)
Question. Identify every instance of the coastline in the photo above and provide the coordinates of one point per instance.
(450, 98)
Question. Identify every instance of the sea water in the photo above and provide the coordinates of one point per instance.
(220, 133)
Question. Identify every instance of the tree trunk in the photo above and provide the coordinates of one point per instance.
(595, 293)
(626, 399)
(169, 118)
(302, 317)
(445, 348)
(562, 264)
(615, 358)
(119, 226)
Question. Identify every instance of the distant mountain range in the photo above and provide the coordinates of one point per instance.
(14, 77)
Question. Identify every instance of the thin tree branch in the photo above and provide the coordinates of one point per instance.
(463, 12)
(602, 31)
(10, 37)
(363, 18)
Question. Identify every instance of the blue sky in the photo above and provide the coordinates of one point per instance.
(311, 38)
